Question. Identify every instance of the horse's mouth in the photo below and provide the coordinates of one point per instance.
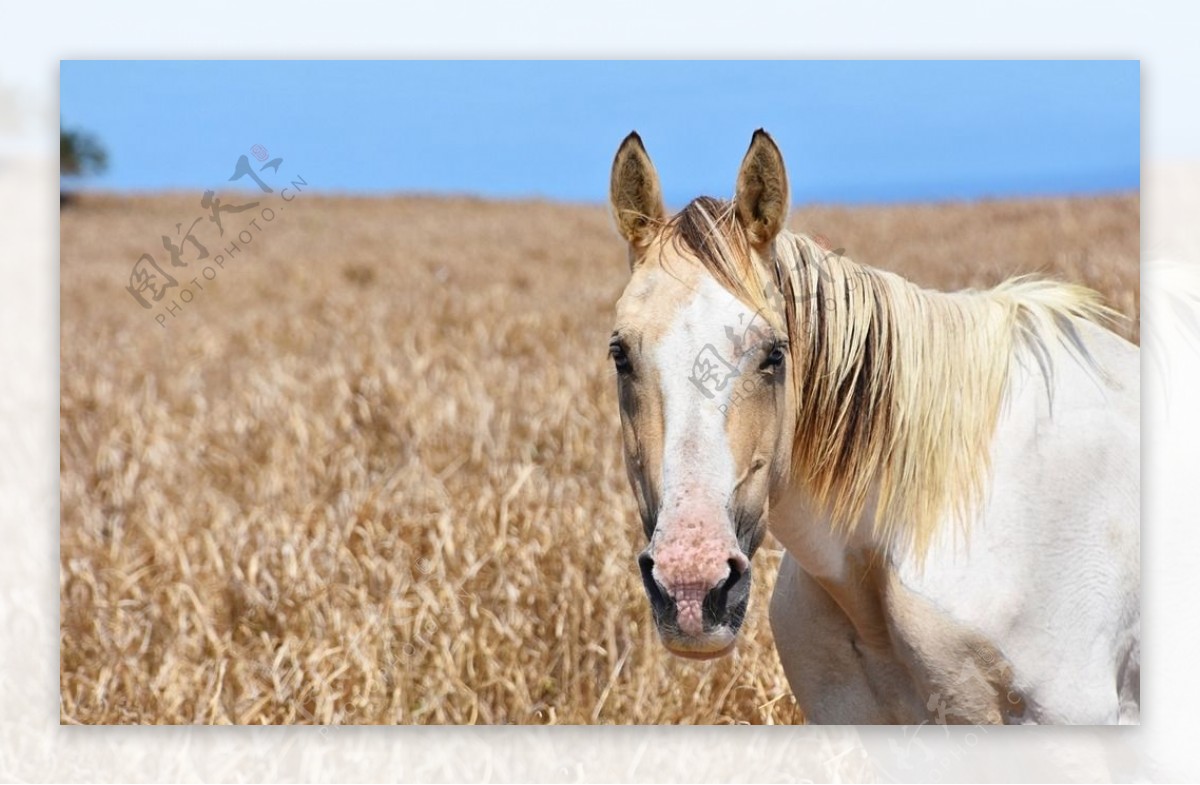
(711, 646)
(703, 655)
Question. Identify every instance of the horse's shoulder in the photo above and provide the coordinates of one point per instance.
(965, 675)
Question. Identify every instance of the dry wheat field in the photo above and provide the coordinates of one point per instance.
(371, 473)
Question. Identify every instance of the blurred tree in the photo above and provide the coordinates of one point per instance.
(79, 154)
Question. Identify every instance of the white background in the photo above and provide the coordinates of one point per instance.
(33, 39)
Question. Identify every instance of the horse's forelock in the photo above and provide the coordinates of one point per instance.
(708, 230)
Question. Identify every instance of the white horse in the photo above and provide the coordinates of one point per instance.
(955, 477)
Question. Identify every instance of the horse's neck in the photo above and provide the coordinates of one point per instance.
(898, 391)
(915, 340)
(851, 568)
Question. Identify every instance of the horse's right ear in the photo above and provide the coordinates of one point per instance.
(634, 193)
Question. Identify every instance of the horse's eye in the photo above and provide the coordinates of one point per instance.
(620, 358)
(776, 357)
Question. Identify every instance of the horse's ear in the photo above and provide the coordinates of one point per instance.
(762, 190)
(634, 193)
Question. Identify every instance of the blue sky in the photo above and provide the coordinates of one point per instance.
(851, 132)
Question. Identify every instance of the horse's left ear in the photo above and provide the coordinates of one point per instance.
(762, 190)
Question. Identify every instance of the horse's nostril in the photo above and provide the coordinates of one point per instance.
(646, 563)
(720, 592)
(735, 574)
(658, 598)
(716, 603)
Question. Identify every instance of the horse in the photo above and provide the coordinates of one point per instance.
(954, 477)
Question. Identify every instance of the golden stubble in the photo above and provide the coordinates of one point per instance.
(373, 472)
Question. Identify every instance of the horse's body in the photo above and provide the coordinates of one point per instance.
(954, 476)
(1031, 618)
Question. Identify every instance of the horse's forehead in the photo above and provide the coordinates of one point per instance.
(664, 299)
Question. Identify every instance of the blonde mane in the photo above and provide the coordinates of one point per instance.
(899, 388)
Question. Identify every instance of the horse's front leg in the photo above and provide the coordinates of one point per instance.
(829, 675)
